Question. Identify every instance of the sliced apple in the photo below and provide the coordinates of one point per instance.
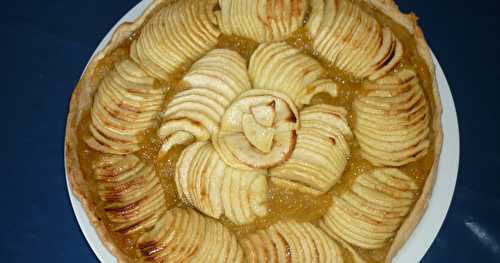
(323, 85)
(204, 181)
(244, 143)
(244, 195)
(353, 40)
(130, 191)
(392, 120)
(259, 136)
(370, 212)
(124, 107)
(161, 47)
(281, 67)
(321, 151)
(178, 138)
(213, 81)
(262, 21)
(182, 235)
(264, 115)
(291, 241)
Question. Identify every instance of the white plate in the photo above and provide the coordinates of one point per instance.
(428, 228)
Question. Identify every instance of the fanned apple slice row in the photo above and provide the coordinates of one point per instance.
(352, 40)
(195, 114)
(204, 181)
(392, 120)
(263, 20)
(321, 152)
(369, 214)
(183, 235)
(280, 67)
(131, 194)
(179, 33)
(125, 105)
(291, 241)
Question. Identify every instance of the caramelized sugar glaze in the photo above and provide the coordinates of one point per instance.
(283, 203)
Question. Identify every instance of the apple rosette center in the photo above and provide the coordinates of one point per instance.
(258, 130)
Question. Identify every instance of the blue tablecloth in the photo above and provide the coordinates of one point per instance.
(46, 44)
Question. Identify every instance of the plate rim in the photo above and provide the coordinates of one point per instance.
(426, 231)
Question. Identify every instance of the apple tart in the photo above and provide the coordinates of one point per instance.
(257, 131)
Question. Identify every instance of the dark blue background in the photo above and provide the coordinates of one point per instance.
(46, 44)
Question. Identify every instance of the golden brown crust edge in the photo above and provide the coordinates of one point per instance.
(81, 99)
